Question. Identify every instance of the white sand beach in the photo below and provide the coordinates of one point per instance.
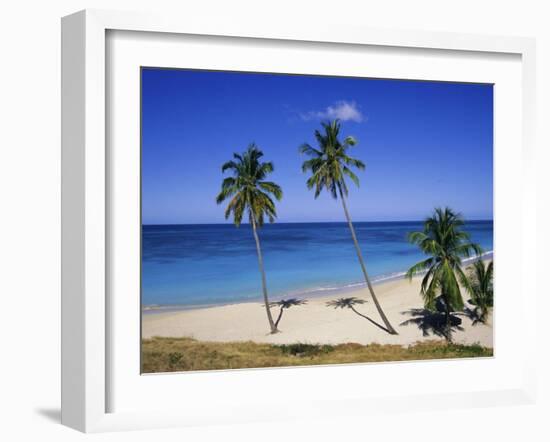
(315, 322)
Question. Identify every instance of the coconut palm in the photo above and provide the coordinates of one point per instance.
(250, 194)
(284, 304)
(329, 165)
(351, 303)
(480, 288)
(446, 244)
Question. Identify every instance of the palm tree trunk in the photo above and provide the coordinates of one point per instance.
(391, 330)
(272, 325)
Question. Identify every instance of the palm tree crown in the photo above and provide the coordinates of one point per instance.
(248, 189)
(446, 244)
(330, 162)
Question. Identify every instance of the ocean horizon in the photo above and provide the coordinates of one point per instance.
(195, 265)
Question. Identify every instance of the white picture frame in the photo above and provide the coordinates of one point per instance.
(86, 204)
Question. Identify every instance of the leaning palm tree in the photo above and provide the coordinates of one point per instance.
(329, 164)
(250, 194)
(284, 304)
(480, 288)
(351, 303)
(443, 239)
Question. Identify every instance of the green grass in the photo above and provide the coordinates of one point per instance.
(186, 354)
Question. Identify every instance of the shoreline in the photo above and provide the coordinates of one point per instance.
(314, 293)
(317, 323)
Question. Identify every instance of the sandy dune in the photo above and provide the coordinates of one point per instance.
(315, 322)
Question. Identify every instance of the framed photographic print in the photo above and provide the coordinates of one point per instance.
(250, 206)
(244, 261)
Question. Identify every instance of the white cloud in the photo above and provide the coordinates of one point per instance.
(342, 110)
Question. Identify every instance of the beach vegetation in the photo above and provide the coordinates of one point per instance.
(329, 164)
(446, 244)
(305, 350)
(199, 355)
(251, 196)
(174, 358)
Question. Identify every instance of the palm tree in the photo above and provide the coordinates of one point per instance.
(250, 193)
(351, 303)
(329, 164)
(286, 304)
(480, 288)
(446, 244)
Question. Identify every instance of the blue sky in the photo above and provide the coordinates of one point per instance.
(425, 144)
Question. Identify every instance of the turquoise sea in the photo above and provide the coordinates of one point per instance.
(208, 264)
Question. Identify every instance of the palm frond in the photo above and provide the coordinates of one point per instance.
(307, 149)
(347, 171)
(349, 141)
(420, 267)
(230, 165)
(431, 285)
(468, 249)
(354, 162)
(271, 188)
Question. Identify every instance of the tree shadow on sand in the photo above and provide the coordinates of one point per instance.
(474, 315)
(432, 323)
(350, 303)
